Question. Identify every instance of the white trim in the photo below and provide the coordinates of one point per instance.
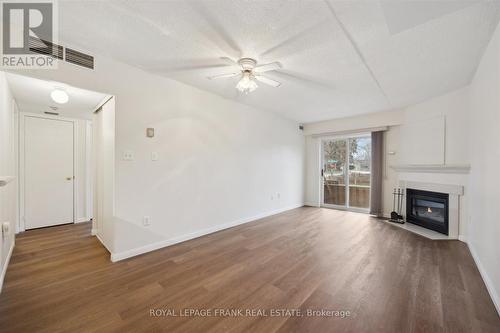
(82, 219)
(495, 297)
(433, 168)
(462, 238)
(93, 232)
(312, 204)
(104, 244)
(7, 260)
(75, 170)
(106, 99)
(89, 188)
(21, 225)
(167, 242)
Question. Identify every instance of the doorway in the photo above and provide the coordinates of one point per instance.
(346, 172)
(48, 166)
(55, 151)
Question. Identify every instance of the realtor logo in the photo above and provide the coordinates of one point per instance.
(28, 34)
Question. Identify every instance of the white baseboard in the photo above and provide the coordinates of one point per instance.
(167, 242)
(487, 281)
(311, 204)
(93, 232)
(462, 238)
(7, 260)
(82, 219)
(104, 244)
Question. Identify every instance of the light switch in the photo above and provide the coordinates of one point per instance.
(154, 156)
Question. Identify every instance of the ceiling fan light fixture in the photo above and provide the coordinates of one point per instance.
(59, 96)
(250, 73)
(247, 83)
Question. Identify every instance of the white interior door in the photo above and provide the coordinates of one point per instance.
(48, 172)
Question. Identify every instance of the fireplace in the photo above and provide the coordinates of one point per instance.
(427, 209)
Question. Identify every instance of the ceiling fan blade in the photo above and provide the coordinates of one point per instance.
(268, 67)
(229, 61)
(189, 68)
(304, 79)
(220, 76)
(267, 81)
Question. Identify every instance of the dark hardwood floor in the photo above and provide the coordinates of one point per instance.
(390, 280)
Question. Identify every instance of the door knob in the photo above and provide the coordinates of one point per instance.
(69, 178)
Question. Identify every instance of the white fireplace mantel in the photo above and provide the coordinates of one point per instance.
(441, 188)
(454, 192)
(433, 168)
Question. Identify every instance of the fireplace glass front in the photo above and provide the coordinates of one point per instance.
(427, 209)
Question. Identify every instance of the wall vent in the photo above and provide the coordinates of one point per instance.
(41, 46)
(79, 58)
(52, 113)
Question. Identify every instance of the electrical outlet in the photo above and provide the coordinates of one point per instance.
(146, 221)
(128, 155)
(272, 197)
(154, 156)
(278, 195)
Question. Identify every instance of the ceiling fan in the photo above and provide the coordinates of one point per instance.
(250, 73)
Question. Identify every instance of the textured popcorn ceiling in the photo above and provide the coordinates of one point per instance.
(340, 58)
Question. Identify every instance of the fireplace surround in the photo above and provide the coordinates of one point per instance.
(455, 191)
(428, 209)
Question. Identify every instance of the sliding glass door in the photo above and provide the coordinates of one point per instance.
(346, 172)
(334, 175)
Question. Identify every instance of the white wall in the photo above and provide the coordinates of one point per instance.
(312, 188)
(454, 107)
(449, 149)
(220, 162)
(356, 123)
(8, 167)
(484, 182)
(104, 181)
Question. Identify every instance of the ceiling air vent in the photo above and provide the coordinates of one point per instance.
(79, 58)
(41, 46)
